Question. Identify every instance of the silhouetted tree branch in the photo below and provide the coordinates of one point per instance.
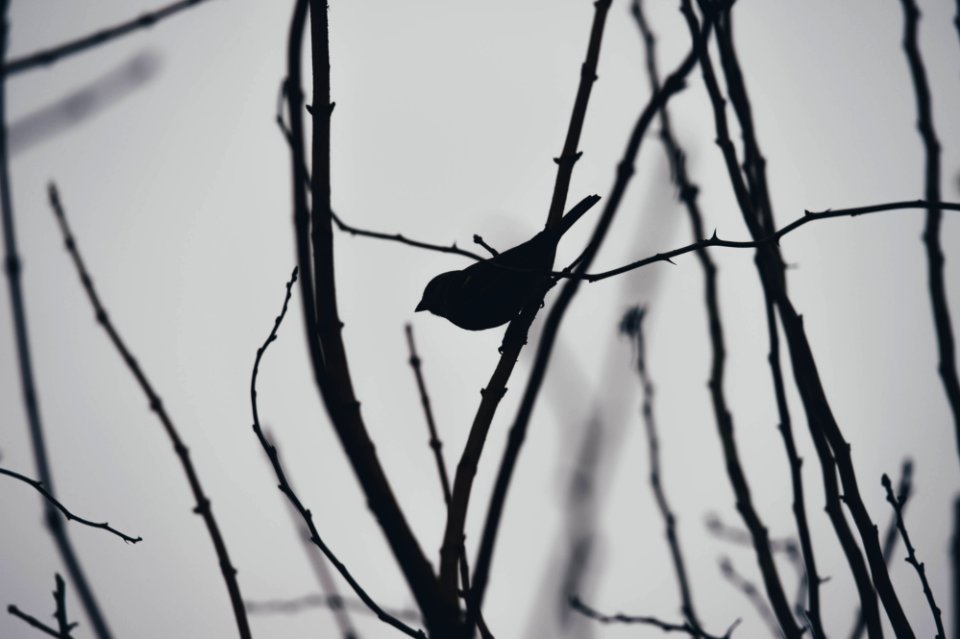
(435, 444)
(203, 505)
(64, 626)
(749, 590)
(307, 602)
(620, 618)
(51, 55)
(38, 486)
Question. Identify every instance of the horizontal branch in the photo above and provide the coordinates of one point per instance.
(38, 486)
(808, 216)
(620, 618)
(53, 54)
(317, 600)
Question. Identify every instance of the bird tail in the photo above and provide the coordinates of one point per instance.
(576, 213)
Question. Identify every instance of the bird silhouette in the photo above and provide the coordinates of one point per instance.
(491, 293)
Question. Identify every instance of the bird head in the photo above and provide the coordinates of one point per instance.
(435, 295)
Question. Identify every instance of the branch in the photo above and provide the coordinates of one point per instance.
(897, 505)
(31, 402)
(60, 602)
(753, 595)
(620, 618)
(49, 56)
(517, 434)
(321, 319)
(33, 621)
(203, 506)
(435, 444)
(774, 238)
(946, 348)
(307, 602)
(632, 326)
(514, 340)
(287, 489)
(38, 486)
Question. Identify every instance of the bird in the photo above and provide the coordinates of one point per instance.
(491, 292)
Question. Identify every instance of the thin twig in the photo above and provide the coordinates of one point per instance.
(620, 618)
(60, 610)
(749, 590)
(632, 326)
(203, 505)
(912, 555)
(479, 240)
(740, 537)
(904, 487)
(33, 621)
(287, 489)
(53, 54)
(308, 602)
(514, 340)
(435, 444)
(674, 83)
(774, 238)
(38, 486)
(12, 268)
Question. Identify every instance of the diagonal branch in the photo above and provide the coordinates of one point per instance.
(435, 444)
(620, 618)
(33, 621)
(287, 489)
(38, 486)
(203, 506)
(49, 56)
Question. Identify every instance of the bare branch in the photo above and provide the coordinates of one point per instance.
(620, 618)
(33, 621)
(203, 505)
(38, 486)
(307, 602)
(60, 601)
(49, 56)
(287, 489)
(897, 505)
(746, 587)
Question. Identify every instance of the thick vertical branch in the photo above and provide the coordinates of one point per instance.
(516, 334)
(322, 326)
(625, 169)
(12, 268)
(931, 232)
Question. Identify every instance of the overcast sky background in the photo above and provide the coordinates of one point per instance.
(447, 117)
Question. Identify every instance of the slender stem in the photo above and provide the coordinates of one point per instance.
(12, 268)
(633, 327)
(625, 169)
(897, 505)
(60, 608)
(308, 602)
(287, 489)
(665, 626)
(931, 233)
(203, 506)
(33, 621)
(38, 486)
(516, 334)
(49, 56)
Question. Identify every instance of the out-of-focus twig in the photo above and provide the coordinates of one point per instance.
(912, 555)
(749, 590)
(38, 486)
(203, 506)
(31, 402)
(287, 489)
(33, 621)
(308, 602)
(84, 43)
(620, 618)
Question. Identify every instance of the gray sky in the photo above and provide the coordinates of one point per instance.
(447, 117)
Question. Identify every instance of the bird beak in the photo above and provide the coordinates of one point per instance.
(420, 307)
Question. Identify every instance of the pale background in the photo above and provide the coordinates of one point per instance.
(447, 117)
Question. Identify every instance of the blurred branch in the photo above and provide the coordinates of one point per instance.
(64, 627)
(904, 487)
(435, 444)
(620, 618)
(625, 169)
(203, 506)
(33, 621)
(746, 587)
(287, 489)
(53, 54)
(314, 245)
(733, 535)
(632, 326)
(31, 403)
(38, 486)
(897, 505)
(308, 602)
(513, 342)
(74, 108)
(931, 232)
(774, 238)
